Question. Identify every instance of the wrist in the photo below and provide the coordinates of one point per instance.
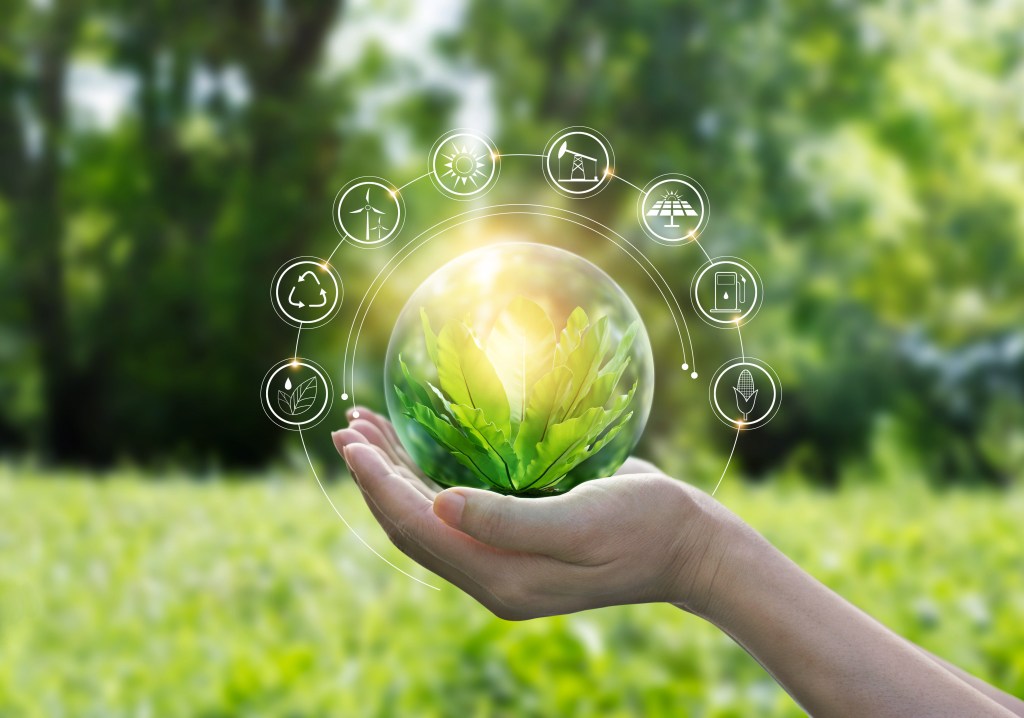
(714, 560)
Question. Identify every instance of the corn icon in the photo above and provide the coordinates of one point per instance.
(746, 394)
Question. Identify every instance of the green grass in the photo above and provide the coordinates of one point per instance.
(174, 598)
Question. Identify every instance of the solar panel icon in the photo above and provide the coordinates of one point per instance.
(671, 205)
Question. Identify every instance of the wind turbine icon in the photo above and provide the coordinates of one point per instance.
(366, 210)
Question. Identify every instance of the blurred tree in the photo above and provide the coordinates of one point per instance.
(177, 215)
(863, 151)
(866, 156)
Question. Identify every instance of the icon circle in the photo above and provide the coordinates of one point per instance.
(368, 211)
(745, 393)
(306, 292)
(727, 292)
(673, 209)
(578, 162)
(296, 394)
(464, 164)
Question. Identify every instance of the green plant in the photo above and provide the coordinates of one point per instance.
(523, 408)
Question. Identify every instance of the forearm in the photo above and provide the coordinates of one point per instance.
(1012, 704)
(831, 657)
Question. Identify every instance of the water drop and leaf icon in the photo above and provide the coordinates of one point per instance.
(299, 400)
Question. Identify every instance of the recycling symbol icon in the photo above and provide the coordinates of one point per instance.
(306, 292)
(299, 303)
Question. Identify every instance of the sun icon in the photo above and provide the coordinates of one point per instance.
(464, 166)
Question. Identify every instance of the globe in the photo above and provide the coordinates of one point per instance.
(520, 368)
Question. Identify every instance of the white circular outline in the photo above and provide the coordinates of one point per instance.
(698, 189)
(606, 147)
(396, 197)
(492, 150)
(348, 369)
(307, 423)
(735, 321)
(769, 413)
(339, 292)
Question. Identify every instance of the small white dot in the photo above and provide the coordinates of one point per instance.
(355, 414)
(693, 375)
(685, 367)
(344, 397)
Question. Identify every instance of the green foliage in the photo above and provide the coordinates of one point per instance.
(133, 596)
(525, 410)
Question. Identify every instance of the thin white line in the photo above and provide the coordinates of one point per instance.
(638, 189)
(519, 154)
(336, 248)
(355, 348)
(350, 373)
(727, 461)
(743, 354)
(347, 524)
(697, 242)
(299, 334)
(399, 189)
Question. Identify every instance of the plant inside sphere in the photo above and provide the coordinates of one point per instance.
(519, 368)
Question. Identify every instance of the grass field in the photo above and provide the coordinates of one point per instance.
(171, 597)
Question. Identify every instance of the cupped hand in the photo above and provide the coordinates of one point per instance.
(635, 537)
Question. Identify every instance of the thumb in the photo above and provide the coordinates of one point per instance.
(531, 525)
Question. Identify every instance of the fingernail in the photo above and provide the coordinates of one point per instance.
(448, 506)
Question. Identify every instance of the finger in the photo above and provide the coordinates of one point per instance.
(376, 437)
(636, 465)
(428, 560)
(415, 521)
(388, 439)
(346, 437)
(551, 526)
(379, 421)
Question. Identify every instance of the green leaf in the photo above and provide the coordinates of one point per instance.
(418, 390)
(471, 454)
(467, 376)
(528, 409)
(569, 443)
(548, 395)
(428, 336)
(608, 378)
(521, 347)
(585, 362)
(473, 421)
(570, 337)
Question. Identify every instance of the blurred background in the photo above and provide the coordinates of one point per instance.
(164, 549)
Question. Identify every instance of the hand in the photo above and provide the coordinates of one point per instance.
(636, 537)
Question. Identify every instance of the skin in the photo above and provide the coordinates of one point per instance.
(641, 537)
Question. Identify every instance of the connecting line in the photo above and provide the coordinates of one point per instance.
(299, 334)
(399, 189)
(697, 242)
(348, 525)
(638, 189)
(517, 154)
(743, 354)
(336, 248)
(727, 461)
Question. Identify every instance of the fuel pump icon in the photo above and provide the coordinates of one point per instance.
(730, 292)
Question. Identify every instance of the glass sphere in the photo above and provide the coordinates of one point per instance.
(520, 368)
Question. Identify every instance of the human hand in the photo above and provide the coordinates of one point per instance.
(636, 537)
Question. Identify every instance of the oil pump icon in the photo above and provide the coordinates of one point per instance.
(730, 292)
(300, 303)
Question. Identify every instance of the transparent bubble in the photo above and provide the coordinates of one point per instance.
(520, 368)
